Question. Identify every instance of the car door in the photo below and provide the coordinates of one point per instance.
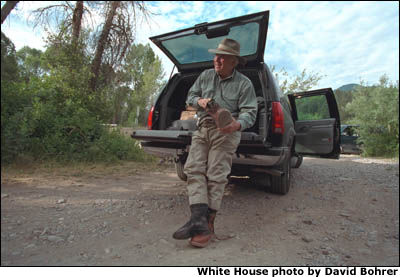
(317, 123)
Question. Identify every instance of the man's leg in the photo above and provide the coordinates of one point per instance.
(220, 156)
(195, 170)
(219, 165)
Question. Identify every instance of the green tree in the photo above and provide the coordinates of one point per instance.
(376, 110)
(134, 86)
(342, 99)
(298, 83)
(30, 63)
(9, 65)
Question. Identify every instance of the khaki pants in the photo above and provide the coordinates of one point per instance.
(209, 164)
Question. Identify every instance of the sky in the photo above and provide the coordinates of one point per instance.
(345, 42)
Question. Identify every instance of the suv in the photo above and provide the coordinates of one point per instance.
(287, 126)
(348, 140)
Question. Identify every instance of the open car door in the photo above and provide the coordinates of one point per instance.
(317, 123)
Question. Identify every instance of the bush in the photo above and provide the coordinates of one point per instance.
(376, 110)
(47, 119)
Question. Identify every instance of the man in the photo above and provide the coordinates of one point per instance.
(215, 142)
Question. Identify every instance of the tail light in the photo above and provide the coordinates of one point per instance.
(277, 118)
(150, 119)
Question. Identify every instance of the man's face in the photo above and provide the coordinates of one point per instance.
(224, 64)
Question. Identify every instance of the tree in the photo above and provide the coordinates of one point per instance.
(9, 66)
(290, 84)
(134, 85)
(102, 43)
(77, 21)
(376, 110)
(6, 9)
(116, 36)
(63, 13)
(342, 99)
(30, 63)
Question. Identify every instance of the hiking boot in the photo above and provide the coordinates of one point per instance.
(203, 240)
(197, 225)
(221, 116)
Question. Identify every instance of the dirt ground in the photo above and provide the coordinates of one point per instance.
(337, 212)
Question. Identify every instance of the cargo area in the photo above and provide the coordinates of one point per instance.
(173, 114)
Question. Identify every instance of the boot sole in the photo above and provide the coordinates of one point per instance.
(224, 118)
(202, 245)
(199, 245)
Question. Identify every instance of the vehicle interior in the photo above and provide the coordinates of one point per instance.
(177, 94)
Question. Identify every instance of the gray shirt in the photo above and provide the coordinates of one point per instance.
(235, 93)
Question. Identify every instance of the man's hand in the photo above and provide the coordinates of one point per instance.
(203, 102)
(233, 127)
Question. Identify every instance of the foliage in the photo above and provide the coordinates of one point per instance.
(376, 110)
(342, 99)
(49, 113)
(29, 62)
(9, 66)
(290, 84)
(312, 108)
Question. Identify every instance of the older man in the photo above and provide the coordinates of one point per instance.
(217, 138)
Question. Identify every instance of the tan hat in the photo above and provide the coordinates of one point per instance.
(229, 47)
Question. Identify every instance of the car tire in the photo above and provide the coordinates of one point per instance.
(179, 165)
(296, 161)
(281, 184)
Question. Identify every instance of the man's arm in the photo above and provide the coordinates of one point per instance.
(247, 106)
(195, 93)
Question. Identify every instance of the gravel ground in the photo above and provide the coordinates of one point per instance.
(337, 213)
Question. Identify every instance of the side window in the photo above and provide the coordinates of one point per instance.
(312, 107)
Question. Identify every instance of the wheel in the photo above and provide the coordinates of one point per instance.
(296, 161)
(281, 184)
(179, 165)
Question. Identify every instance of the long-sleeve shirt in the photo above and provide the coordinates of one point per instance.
(234, 93)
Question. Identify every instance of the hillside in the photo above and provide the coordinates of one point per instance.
(348, 87)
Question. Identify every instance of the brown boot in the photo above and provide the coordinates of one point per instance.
(204, 239)
(221, 116)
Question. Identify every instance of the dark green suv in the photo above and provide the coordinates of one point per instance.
(287, 126)
(348, 139)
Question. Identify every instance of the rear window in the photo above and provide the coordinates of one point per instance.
(194, 48)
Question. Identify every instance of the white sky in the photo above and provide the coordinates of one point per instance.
(344, 41)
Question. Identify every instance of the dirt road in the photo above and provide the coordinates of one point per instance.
(338, 212)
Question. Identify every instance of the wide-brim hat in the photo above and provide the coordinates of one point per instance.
(229, 47)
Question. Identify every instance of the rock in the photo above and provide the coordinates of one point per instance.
(53, 238)
(4, 195)
(45, 231)
(108, 250)
(293, 232)
(307, 239)
(325, 252)
(30, 245)
(16, 253)
(61, 201)
(345, 214)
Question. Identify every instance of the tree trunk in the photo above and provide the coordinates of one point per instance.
(101, 44)
(6, 9)
(76, 21)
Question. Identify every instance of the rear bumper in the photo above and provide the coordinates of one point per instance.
(269, 157)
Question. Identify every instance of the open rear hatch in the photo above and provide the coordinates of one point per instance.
(188, 48)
